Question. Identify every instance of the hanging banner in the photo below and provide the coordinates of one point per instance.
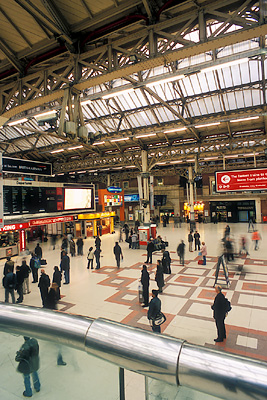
(241, 180)
(1, 194)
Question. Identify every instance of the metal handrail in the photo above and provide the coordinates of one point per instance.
(168, 359)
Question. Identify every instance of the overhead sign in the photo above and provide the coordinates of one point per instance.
(26, 167)
(14, 227)
(241, 180)
(114, 189)
(45, 221)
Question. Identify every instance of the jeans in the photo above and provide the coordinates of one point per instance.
(35, 381)
(20, 293)
(118, 261)
(11, 291)
(134, 245)
(181, 259)
(204, 260)
(149, 258)
(67, 276)
(90, 261)
(97, 260)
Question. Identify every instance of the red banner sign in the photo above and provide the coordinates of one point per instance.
(44, 221)
(241, 180)
(14, 227)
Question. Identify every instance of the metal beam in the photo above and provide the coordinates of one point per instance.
(12, 23)
(10, 55)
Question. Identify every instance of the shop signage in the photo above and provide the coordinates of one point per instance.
(26, 167)
(241, 180)
(114, 189)
(46, 221)
(14, 227)
(97, 215)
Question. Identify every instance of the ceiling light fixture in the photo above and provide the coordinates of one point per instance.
(56, 151)
(76, 147)
(165, 80)
(119, 140)
(98, 143)
(225, 65)
(17, 122)
(231, 156)
(51, 113)
(176, 162)
(81, 172)
(144, 136)
(176, 130)
(119, 93)
(210, 158)
(84, 102)
(206, 125)
(244, 119)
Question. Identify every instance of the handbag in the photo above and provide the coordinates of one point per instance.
(43, 262)
(159, 319)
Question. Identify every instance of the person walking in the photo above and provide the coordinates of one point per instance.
(26, 272)
(90, 258)
(9, 283)
(19, 286)
(53, 240)
(38, 251)
(134, 240)
(204, 253)
(9, 265)
(28, 359)
(219, 314)
(250, 224)
(72, 247)
(97, 242)
(97, 257)
(149, 249)
(65, 266)
(126, 230)
(34, 266)
(190, 241)
(145, 283)
(65, 243)
(154, 310)
(43, 285)
(197, 241)
(159, 277)
(181, 251)
(166, 262)
(80, 246)
(57, 278)
(255, 238)
(118, 254)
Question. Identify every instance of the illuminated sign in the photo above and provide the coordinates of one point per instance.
(112, 200)
(26, 167)
(241, 180)
(97, 215)
(44, 221)
(114, 189)
(14, 227)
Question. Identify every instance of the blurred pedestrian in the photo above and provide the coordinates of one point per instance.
(190, 240)
(145, 283)
(26, 272)
(19, 286)
(118, 254)
(65, 266)
(166, 262)
(34, 266)
(57, 278)
(38, 251)
(159, 277)
(9, 264)
(79, 244)
(197, 240)
(255, 238)
(181, 251)
(9, 283)
(44, 284)
(72, 247)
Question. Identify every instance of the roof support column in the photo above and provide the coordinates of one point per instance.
(191, 197)
(145, 175)
(202, 26)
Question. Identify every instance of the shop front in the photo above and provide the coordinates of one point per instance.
(198, 209)
(233, 211)
(10, 239)
(97, 223)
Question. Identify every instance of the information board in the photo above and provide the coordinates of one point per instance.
(112, 200)
(26, 167)
(241, 180)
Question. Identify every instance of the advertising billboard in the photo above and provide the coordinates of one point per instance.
(79, 198)
(241, 180)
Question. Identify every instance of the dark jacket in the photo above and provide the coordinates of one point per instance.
(28, 356)
(190, 237)
(180, 249)
(150, 247)
(145, 278)
(20, 276)
(38, 251)
(57, 277)
(72, 246)
(25, 269)
(9, 265)
(10, 281)
(79, 242)
(44, 281)
(154, 308)
(159, 277)
(97, 253)
(51, 300)
(117, 250)
(65, 263)
(197, 237)
(97, 242)
(219, 306)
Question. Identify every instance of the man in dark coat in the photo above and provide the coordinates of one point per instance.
(79, 244)
(28, 358)
(44, 284)
(180, 251)
(97, 242)
(159, 277)
(219, 313)
(97, 257)
(9, 283)
(38, 251)
(197, 240)
(154, 309)
(149, 248)
(9, 264)
(65, 266)
(145, 283)
(166, 262)
(34, 266)
(118, 254)
(19, 286)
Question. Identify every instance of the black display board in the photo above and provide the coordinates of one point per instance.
(26, 167)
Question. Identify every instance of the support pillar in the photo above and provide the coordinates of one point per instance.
(191, 197)
(145, 175)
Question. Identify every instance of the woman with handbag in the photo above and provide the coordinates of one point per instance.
(154, 313)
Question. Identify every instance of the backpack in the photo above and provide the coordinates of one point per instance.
(228, 306)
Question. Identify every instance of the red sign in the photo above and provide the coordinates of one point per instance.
(14, 227)
(44, 221)
(240, 180)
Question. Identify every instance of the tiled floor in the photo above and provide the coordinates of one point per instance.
(188, 293)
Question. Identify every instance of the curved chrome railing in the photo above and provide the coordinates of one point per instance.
(161, 357)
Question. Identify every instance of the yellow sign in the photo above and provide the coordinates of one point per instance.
(97, 215)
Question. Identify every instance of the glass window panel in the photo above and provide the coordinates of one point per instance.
(239, 100)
